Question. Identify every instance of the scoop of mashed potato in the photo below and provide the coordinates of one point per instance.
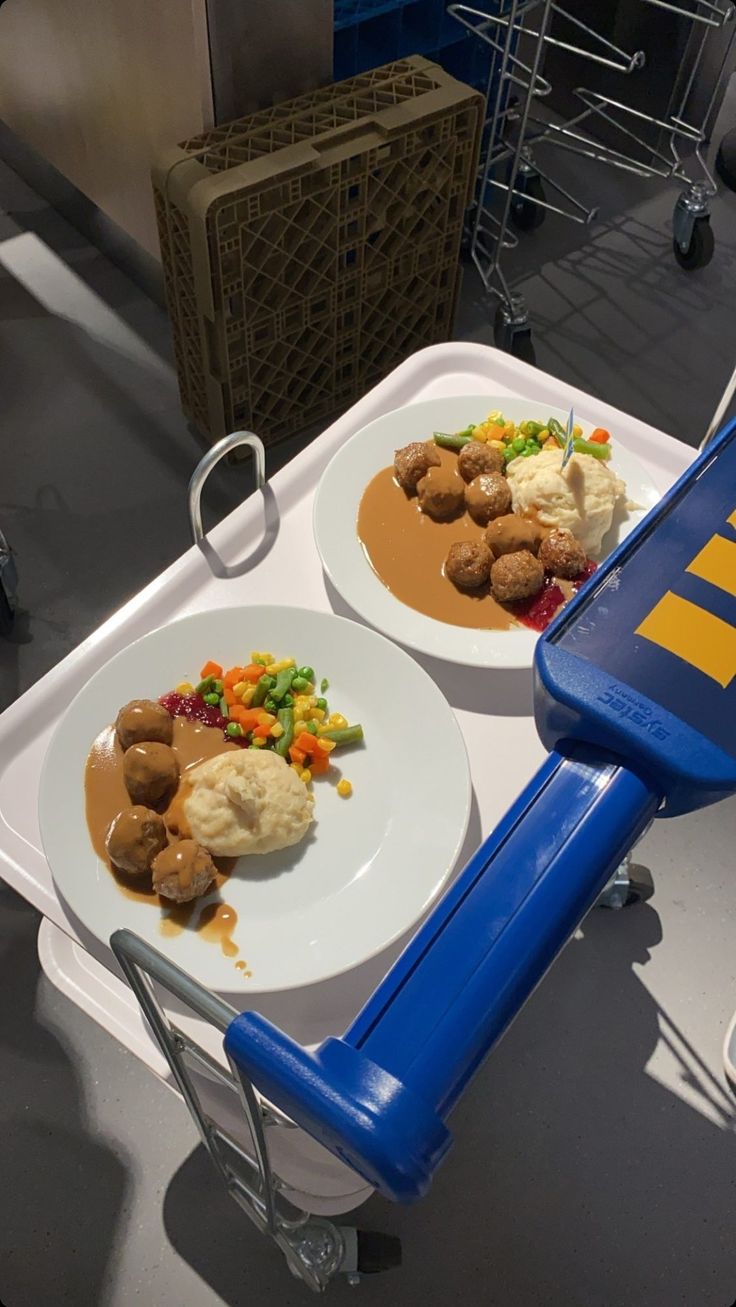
(246, 802)
(582, 498)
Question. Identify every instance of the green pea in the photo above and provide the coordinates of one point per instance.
(322, 703)
(527, 453)
(204, 686)
(212, 699)
(300, 684)
(234, 728)
(217, 686)
(519, 444)
(270, 704)
(311, 727)
(307, 673)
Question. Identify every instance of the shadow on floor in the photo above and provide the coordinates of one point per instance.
(62, 1192)
(568, 1172)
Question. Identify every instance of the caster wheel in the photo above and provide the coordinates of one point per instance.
(701, 248)
(377, 1252)
(514, 339)
(525, 214)
(6, 614)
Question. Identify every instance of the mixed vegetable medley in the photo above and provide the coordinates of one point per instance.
(269, 704)
(524, 439)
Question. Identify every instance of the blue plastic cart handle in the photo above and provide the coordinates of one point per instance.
(636, 714)
(379, 1096)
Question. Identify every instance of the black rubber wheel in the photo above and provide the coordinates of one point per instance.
(377, 1252)
(726, 160)
(701, 248)
(6, 614)
(526, 215)
(522, 347)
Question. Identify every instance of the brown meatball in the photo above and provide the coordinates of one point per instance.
(516, 576)
(468, 564)
(183, 871)
(150, 772)
(476, 458)
(134, 839)
(144, 719)
(440, 492)
(562, 554)
(487, 496)
(413, 462)
(509, 534)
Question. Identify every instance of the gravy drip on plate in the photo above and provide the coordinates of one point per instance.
(407, 551)
(106, 796)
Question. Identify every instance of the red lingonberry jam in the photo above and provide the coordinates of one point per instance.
(194, 708)
(588, 570)
(538, 611)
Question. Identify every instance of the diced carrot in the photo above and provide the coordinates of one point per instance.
(248, 718)
(600, 436)
(210, 669)
(297, 755)
(253, 672)
(261, 732)
(306, 742)
(319, 764)
(229, 697)
(232, 677)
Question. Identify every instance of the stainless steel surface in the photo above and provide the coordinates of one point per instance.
(209, 461)
(264, 51)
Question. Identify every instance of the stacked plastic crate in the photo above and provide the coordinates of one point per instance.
(371, 32)
(310, 247)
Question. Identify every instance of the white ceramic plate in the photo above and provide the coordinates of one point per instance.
(376, 861)
(336, 510)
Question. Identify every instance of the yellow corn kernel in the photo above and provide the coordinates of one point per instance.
(344, 789)
(273, 669)
(306, 775)
(259, 743)
(247, 696)
(509, 431)
(337, 721)
(497, 444)
(302, 704)
(328, 745)
(544, 435)
(185, 687)
(295, 767)
(577, 429)
(266, 719)
(240, 688)
(317, 714)
(277, 731)
(263, 658)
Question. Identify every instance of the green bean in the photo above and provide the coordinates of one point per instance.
(283, 683)
(217, 686)
(224, 710)
(532, 428)
(446, 441)
(324, 684)
(288, 701)
(286, 719)
(590, 447)
(466, 431)
(348, 735)
(270, 704)
(557, 429)
(204, 686)
(262, 688)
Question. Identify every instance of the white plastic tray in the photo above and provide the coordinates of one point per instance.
(261, 551)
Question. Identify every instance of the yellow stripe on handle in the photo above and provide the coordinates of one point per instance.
(732, 519)
(696, 636)
(716, 563)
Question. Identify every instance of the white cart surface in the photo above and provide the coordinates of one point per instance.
(261, 553)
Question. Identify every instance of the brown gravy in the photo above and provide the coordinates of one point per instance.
(407, 551)
(106, 795)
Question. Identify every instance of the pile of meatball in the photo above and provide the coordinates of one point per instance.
(137, 841)
(514, 553)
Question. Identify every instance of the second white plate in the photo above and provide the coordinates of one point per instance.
(336, 510)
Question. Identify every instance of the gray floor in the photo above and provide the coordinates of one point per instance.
(595, 1163)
